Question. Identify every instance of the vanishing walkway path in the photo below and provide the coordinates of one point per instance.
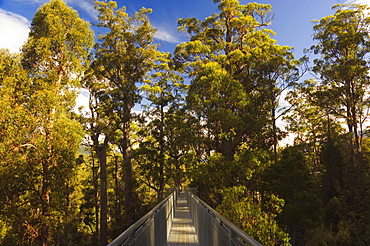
(183, 219)
(182, 232)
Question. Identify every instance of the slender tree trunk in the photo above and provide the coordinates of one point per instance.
(129, 182)
(102, 155)
(96, 197)
(118, 193)
(353, 108)
(356, 132)
(358, 140)
(49, 162)
(45, 196)
(101, 152)
(161, 156)
(45, 189)
(274, 133)
(352, 123)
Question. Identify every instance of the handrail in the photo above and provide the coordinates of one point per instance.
(212, 228)
(151, 229)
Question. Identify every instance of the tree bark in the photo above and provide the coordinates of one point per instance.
(45, 196)
(96, 198)
(101, 152)
(274, 132)
(161, 156)
(129, 182)
(45, 189)
(102, 156)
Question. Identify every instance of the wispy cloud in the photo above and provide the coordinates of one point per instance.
(82, 100)
(85, 5)
(13, 30)
(359, 1)
(38, 2)
(167, 35)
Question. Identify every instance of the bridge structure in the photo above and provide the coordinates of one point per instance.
(183, 219)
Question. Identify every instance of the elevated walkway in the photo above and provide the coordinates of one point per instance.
(183, 219)
(182, 232)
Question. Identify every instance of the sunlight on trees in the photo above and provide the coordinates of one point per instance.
(208, 120)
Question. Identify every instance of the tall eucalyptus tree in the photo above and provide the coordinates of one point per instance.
(54, 57)
(124, 56)
(343, 66)
(236, 69)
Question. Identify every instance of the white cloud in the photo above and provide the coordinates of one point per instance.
(87, 6)
(167, 36)
(359, 1)
(13, 30)
(82, 100)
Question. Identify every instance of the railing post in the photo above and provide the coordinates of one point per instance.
(233, 237)
(153, 228)
(212, 228)
(131, 241)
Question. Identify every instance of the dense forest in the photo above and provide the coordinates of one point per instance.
(210, 119)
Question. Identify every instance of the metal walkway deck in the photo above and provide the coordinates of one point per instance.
(183, 219)
(182, 232)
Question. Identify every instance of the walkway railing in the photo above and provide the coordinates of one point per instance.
(212, 228)
(151, 229)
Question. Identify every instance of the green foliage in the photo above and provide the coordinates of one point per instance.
(336, 159)
(15, 146)
(344, 45)
(345, 193)
(245, 210)
(39, 165)
(238, 73)
(218, 133)
(159, 128)
(23, 150)
(215, 174)
(123, 57)
(290, 179)
(58, 43)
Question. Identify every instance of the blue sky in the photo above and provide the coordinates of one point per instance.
(292, 22)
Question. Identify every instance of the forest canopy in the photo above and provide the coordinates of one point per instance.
(209, 119)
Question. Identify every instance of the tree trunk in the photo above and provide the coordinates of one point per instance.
(101, 152)
(274, 133)
(45, 189)
(129, 182)
(96, 198)
(161, 156)
(45, 196)
(117, 203)
(46, 164)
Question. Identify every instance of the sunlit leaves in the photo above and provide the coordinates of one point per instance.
(42, 141)
(344, 48)
(243, 209)
(124, 57)
(238, 74)
(57, 43)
